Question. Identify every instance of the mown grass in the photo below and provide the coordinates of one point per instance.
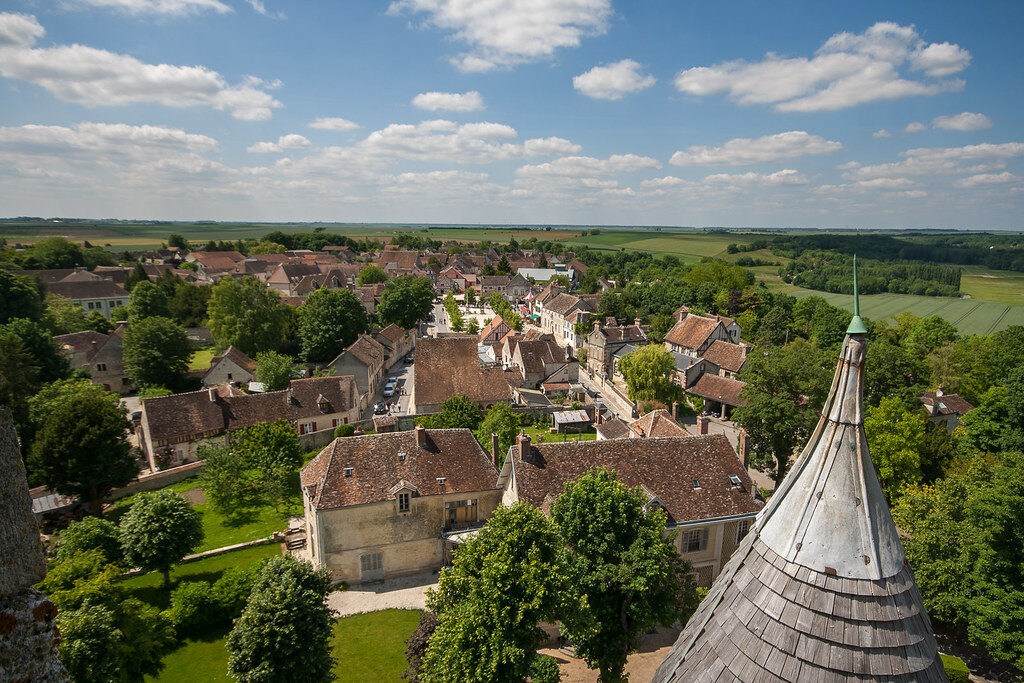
(201, 358)
(541, 435)
(220, 530)
(366, 647)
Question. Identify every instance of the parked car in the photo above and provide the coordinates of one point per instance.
(389, 390)
(380, 409)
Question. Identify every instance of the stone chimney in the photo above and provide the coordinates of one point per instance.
(28, 635)
(597, 324)
(495, 450)
(743, 448)
(675, 410)
(421, 436)
(702, 424)
(637, 321)
(212, 394)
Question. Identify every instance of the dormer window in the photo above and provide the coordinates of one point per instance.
(403, 501)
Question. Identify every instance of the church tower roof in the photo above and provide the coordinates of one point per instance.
(820, 588)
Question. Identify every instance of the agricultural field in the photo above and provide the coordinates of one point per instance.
(1000, 286)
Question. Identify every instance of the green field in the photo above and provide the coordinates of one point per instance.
(541, 435)
(367, 647)
(1000, 286)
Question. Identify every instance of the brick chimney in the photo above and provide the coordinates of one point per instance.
(421, 436)
(637, 321)
(675, 410)
(702, 424)
(523, 443)
(495, 450)
(743, 448)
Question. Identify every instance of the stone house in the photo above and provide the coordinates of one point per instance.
(493, 284)
(698, 480)
(92, 295)
(725, 359)
(232, 366)
(517, 289)
(364, 358)
(286, 277)
(397, 344)
(100, 355)
(655, 424)
(603, 342)
(539, 360)
(378, 506)
(173, 427)
(561, 315)
(945, 409)
(694, 334)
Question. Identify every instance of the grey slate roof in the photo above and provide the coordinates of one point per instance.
(820, 588)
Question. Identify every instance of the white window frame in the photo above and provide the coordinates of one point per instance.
(742, 529)
(695, 537)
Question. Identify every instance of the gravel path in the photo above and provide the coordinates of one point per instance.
(407, 592)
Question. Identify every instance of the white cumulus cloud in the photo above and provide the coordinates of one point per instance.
(333, 123)
(847, 70)
(165, 7)
(94, 77)
(504, 33)
(613, 81)
(588, 166)
(966, 121)
(762, 150)
(449, 101)
(915, 127)
(881, 133)
(285, 142)
(787, 176)
(987, 179)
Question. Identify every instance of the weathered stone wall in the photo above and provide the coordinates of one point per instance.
(28, 635)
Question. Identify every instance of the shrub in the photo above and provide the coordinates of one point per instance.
(232, 589)
(344, 430)
(544, 669)
(416, 645)
(92, 533)
(955, 668)
(193, 607)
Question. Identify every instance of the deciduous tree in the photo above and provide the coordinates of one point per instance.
(500, 420)
(625, 575)
(158, 530)
(81, 449)
(20, 297)
(275, 370)
(246, 314)
(64, 317)
(503, 582)
(648, 372)
(146, 301)
(285, 629)
(371, 275)
(156, 352)
(406, 300)
(91, 533)
(330, 320)
(457, 412)
(895, 438)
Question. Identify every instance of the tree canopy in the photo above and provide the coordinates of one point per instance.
(147, 300)
(895, 438)
(156, 352)
(275, 370)
(370, 275)
(20, 297)
(329, 321)
(624, 575)
(406, 300)
(648, 372)
(247, 315)
(158, 530)
(502, 420)
(457, 412)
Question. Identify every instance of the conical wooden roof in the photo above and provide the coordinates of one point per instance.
(820, 588)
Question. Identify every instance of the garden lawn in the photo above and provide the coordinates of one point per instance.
(201, 358)
(541, 435)
(149, 587)
(367, 647)
(220, 531)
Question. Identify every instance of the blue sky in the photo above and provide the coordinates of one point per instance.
(515, 111)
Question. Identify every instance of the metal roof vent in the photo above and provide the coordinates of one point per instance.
(441, 480)
(348, 471)
(401, 457)
(696, 484)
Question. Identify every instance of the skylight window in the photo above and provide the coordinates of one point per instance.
(734, 480)
(696, 484)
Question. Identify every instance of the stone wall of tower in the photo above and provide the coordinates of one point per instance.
(28, 634)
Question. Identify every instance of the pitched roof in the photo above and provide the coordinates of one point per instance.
(450, 366)
(613, 429)
(664, 466)
(537, 353)
(820, 588)
(204, 256)
(725, 355)
(721, 389)
(235, 356)
(366, 350)
(691, 331)
(947, 404)
(563, 303)
(77, 342)
(392, 333)
(623, 333)
(92, 289)
(494, 280)
(494, 325)
(657, 423)
(401, 259)
(180, 417)
(451, 454)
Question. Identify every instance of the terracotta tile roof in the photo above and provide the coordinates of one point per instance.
(494, 280)
(450, 366)
(77, 342)
(294, 271)
(206, 256)
(657, 423)
(613, 429)
(947, 404)
(536, 353)
(721, 389)
(403, 260)
(46, 275)
(691, 331)
(82, 276)
(393, 333)
(725, 355)
(181, 417)
(366, 350)
(623, 333)
(451, 454)
(664, 466)
(235, 356)
(562, 304)
(492, 327)
(92, 289)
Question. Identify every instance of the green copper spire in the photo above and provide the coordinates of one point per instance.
(856, 325)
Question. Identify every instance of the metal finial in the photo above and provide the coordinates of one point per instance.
(857, 324)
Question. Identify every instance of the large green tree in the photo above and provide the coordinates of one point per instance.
(457, 412)
(502, 583)
(648, 372)
(81, 450)
(502, 420)
(188, 304)
(896, 438)
(997, 423)
(275, 370)
(20, 297)
(63, 316)
(20, 376)
(90, 533)
(156, 352)
(329, 320)
(55, 252)
(371, 275)
(406, 300)
(147, 300)
(964, 536)
(52, 364)
(246, 314)
(284, 632)
(626, 575)
(158, 530)
(894, 370)
(786, 387)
